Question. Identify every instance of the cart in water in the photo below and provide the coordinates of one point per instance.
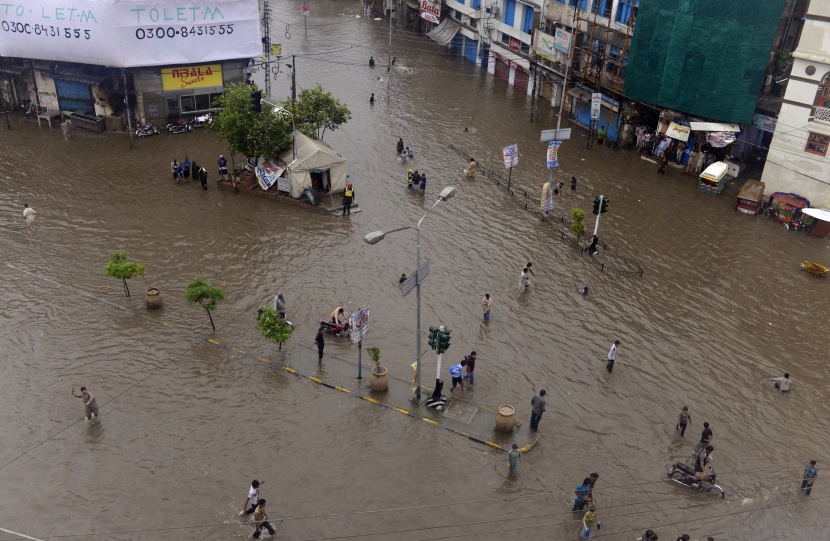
(814, 268)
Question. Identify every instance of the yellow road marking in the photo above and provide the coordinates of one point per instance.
(289, 370)
(315, 380)
(493, 445)
(430, 421)
(9, 265)
(342, 389)
(263, 359)
(399, 410)
(369, 399)
(238, 350)
(212, 341)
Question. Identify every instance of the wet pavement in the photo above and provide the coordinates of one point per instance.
(186, 424)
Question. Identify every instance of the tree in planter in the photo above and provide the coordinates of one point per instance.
(205, 295)
(272, 326)
(317, 111)
(374, 354)
(578, 217)
(119, 267)
(250, 133)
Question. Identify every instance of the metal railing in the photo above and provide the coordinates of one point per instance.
(560, 225)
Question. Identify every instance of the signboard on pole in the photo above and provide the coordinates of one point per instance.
(131, 33)
(430, 11)
(549, 135)
(359, 325)
(596, 104)
(553, 153)
(511, 156)
(305, 9)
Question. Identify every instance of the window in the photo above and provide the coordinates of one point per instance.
(461, 2)
(817, 144)
(601, 7)
(456, 14)
(505, 38)
(581, 4)
(509, 12)
(476, 4)
(173, 106)
(525, 48)
(213, 97)
(188, 104)
(527, 23)
(626, 10)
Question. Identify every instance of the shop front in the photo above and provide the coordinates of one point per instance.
(171, 92)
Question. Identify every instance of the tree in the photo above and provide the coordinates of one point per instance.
(273, 327)
(318, 111)
(251, 134)
(205, 295)
(119, 267)
(578, 217)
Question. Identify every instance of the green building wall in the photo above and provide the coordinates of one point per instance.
(706, 58)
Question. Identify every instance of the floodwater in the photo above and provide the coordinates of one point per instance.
(186, 424)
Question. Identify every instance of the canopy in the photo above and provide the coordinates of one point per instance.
(792, 199)
(313, 156)
(715, 172)
(752, 190)
(444, 32)
(817, 213)
(714, 126)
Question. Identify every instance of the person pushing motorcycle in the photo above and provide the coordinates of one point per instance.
(704, 462)
(335, 315)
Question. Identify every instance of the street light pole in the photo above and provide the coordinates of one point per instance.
(377, 236)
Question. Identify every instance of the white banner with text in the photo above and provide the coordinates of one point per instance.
(130, 33)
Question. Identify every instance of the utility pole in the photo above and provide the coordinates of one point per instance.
(127, 108)
(266, 43)
(389, 66)
(294, 104)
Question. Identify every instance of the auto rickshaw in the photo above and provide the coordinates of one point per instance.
(751, 197)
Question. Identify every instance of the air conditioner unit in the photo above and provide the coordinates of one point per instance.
(494, 11)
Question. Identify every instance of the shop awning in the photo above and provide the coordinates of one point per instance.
(819, 214)
(584, 95)
(444, 32)
(714, 126)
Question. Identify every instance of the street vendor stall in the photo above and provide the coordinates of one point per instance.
(786, 206)
(713, 178)
(821, 225)
(751, 197)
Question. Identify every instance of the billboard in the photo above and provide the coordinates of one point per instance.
(130, 33)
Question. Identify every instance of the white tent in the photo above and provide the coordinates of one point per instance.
(313, 157)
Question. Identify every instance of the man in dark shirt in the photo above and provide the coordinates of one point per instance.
(705, 439)
(320, 344)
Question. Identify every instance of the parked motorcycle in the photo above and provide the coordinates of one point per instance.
(31, 110)
(180, 126)
(202, 120)
(684, 475)
(337, 329)
(147, 129)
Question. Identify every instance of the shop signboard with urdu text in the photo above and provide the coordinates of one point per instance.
(678, 131)
(131, 33)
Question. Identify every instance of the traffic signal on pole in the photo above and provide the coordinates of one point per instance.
(596, 205)
(604, 207)
(433, 338)
(443, 339)
(256, 101)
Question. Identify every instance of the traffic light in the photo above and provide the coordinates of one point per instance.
(604, 207)
(443, 339)
(433, 338)
(596, 205)
(256, 101)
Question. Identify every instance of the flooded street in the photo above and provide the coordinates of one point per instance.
(186, 424)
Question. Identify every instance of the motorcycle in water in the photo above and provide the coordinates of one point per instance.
(337, 329)
(202, 120)
(180, 126)
(31, 110)
(684, 475)
(147, 129)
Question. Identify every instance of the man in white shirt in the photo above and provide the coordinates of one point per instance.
(29, 214)
(783, 384)
(253, 498)
(612, 356)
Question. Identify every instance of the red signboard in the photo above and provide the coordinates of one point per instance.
(515, 44)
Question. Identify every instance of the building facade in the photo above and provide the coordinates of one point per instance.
(798, 159)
